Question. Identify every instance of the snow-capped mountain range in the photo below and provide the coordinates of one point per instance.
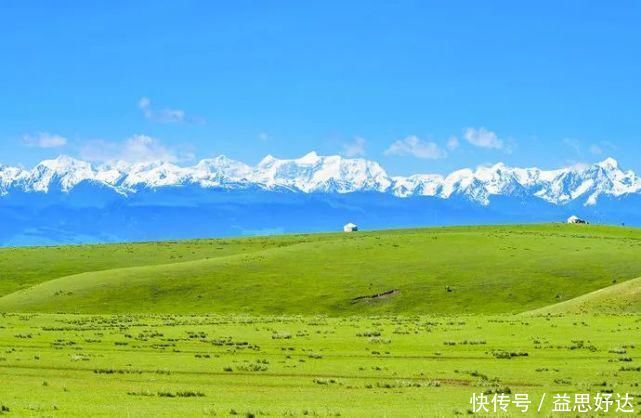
(65, 200)
(328, 174)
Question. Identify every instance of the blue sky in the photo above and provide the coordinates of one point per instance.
(419, 86)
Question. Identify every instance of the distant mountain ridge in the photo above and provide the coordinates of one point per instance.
(65, 200)
(328, 174)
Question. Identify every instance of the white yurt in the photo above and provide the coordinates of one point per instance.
(576, 220)
(350, 227)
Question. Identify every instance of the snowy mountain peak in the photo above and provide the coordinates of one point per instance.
(267, 160)
(309, 158)
(64, 163)
(223, 160)
(65, 171)
(313, 173)
(609, 164)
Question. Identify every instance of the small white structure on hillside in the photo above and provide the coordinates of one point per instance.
(350, 227)
(576, 220)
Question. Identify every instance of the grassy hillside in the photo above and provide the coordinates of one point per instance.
(22, 267)
(492, 269)
(620, 298)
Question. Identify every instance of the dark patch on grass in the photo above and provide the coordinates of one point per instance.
(376, 296)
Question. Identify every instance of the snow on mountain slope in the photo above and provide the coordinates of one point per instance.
(65, 171)
(9, 176)
(220, 171)
(313, 173)
(417, 185)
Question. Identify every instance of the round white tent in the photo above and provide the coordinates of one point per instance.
(350, 227)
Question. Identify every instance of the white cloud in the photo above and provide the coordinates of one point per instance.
(452, 143)
(595, 149)
(355, 148)
(482, 138)
(165, 115)
(44, 140)
(145, 105)
(574, 144)
(413, 146)
(602, 147)
(608, 145)
(263, 136)
(138, 148)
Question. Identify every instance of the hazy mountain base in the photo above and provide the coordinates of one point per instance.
(92, 213)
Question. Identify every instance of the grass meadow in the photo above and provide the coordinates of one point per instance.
(168, 365)
(387, 323)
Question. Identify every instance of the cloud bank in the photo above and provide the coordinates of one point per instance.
(416, 147)
(44, 140)
(355, 148)
(137, 148)
(165, 115)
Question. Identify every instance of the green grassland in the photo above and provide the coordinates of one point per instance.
(618, 298)
(168, 365)
(383, 323)
(489, 270)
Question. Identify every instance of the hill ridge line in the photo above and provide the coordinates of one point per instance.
(144, 266)
(596, 301)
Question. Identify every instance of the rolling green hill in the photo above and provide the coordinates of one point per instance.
(492, 269)
(620, 298)
(22, 267)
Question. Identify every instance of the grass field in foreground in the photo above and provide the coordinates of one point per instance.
(383, 323)
(484, 269)
(121, 366)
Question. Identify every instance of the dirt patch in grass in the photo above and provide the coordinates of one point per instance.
(377, 296)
